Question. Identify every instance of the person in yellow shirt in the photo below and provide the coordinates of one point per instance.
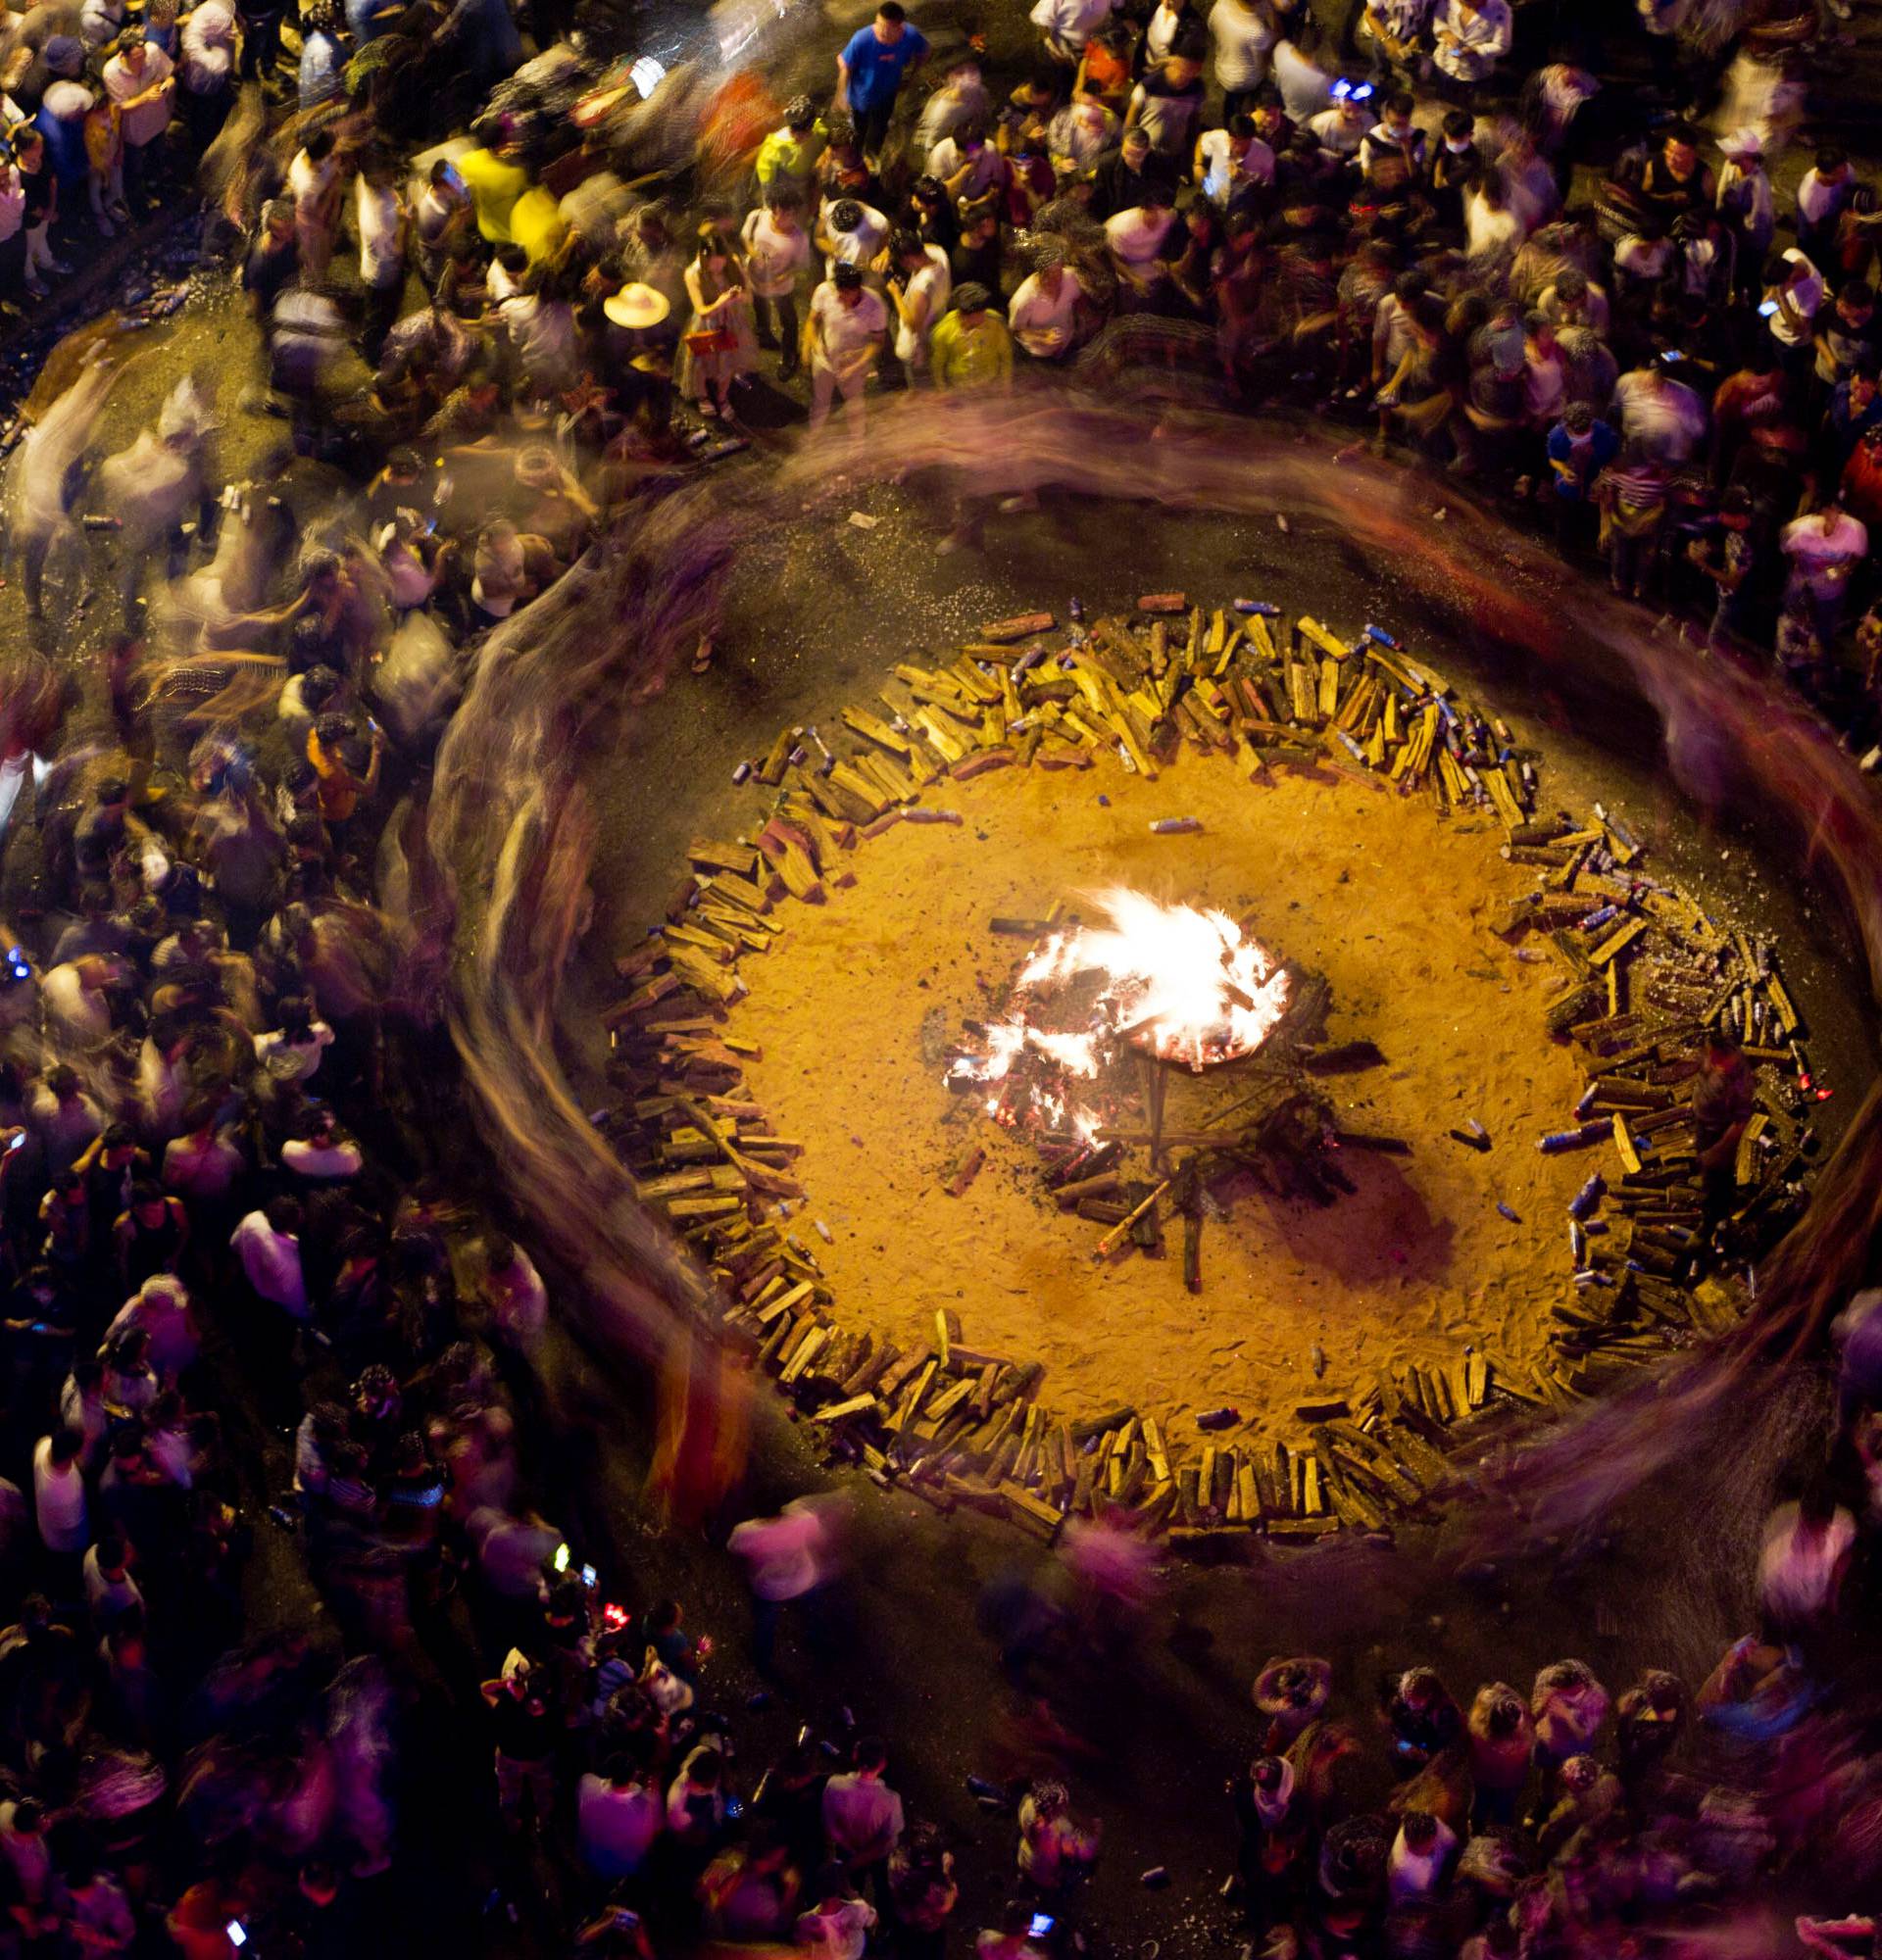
(494, 178)
(971, 347)
(787, 158)
(970, 352)
(537, 224)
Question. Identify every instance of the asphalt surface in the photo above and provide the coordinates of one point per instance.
(818, 611)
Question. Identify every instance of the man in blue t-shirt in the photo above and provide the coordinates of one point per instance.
(870, 69)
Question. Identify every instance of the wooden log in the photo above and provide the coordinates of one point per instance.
(1021, 626)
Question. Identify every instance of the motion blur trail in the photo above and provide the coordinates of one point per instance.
(509, 818)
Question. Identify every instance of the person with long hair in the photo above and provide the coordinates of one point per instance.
(718, 347)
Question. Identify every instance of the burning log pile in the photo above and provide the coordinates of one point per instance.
(1645, 974)
(1097, 1021)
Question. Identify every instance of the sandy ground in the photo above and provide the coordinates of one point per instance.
(1385, 897)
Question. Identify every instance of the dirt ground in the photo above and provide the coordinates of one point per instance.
(1387, 900)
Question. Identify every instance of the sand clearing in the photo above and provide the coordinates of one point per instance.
(1378, 893)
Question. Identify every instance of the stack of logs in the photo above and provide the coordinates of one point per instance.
(1647, 973)
(1646, 976)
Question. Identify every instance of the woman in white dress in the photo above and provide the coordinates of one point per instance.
(719, 345)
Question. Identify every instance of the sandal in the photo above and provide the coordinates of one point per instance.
(703, 653)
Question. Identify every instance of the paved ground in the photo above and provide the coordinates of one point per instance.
(817, 612)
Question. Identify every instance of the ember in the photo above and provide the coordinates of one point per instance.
(1169, 981)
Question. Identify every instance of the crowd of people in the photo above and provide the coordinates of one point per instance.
(216, 1235)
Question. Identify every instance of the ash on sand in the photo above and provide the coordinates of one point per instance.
(1389, 901)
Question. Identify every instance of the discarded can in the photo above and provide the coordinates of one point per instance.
(1380, 636)
(824, 1232)
(1218, 1418)
(1157, 1875)
(1281, 524)
(1171, 826)
(1358, 754)
(1074, 607)
(742, 772)
(100, 520)
(1577, 1246)
(915, 814)
(1600, 917)
(1588, 1196)
(1262, 607)
(1572, 1140)
(991, 1792)
(1512, 1217)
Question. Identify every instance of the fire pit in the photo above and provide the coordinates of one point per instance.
(1167, 982)
(1097, 1022)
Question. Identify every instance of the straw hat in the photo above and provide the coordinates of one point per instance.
(636, 305)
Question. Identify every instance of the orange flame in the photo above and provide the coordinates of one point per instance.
(1187, 985)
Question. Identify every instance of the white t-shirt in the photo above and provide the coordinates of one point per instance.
(1817, 200)
(1337, 133)
(1304, 89)
(309, 182)
(58, 1501)
(1796, 1571)
(1413, 1875)
(1243, 41)
(842, 332)
(1488, 231)
(73, 1008)
(1042, 321)
(381, 233)
(858, 247)
(1223, 174)
(324, 1162)
(1136, 236)
(271, 1260)
(1669, 420)
(293, 1060)
(209, 46)
(13, 203)
(1070, 22)
(773, 258)
(930, 286)
(841, 1935)
(1804, 296)
(1481, 38)
(1822, 560)
(950, 156)
(146, 123)
(780, 1553)
(1161, 34)
(201, 1167)
(616, 1828)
